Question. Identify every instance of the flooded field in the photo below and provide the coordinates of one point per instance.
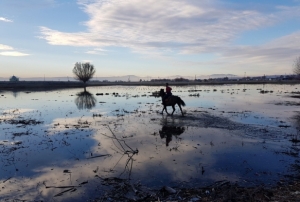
(75, 145)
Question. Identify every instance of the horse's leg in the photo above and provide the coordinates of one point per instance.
(166, 109)
(173, 109)
(180, 109)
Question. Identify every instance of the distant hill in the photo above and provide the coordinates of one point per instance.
(222, 76)
(120, 78)
(133, 77)
(137, 78)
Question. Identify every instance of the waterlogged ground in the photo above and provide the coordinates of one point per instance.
(74, 145)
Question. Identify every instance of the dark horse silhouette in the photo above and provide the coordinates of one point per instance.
(171, 101)
(169, 131)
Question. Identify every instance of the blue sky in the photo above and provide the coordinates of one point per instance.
(149, 37)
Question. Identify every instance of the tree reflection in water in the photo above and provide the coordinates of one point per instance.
(85, 100)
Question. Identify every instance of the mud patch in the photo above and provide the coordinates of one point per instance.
(288, 103)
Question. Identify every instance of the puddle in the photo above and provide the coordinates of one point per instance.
(67, 145)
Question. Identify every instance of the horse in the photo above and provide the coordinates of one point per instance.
(171, 101)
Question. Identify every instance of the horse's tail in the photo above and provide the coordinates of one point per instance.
(181, 102)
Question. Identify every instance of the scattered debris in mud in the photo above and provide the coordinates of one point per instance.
(123, 190)
(123, 150)
(265, 91)
(288, 103)
(295, 96)
(23, 122)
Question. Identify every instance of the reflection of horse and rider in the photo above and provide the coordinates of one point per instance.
(168, 131)
(170, 100)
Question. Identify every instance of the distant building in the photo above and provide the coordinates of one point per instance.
(14, 79)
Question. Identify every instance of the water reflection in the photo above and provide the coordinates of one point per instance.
(85, 100)
(296, 119)
(170, 127)
(68, 151)
(168, 131)
(124, 153)
(15, 93)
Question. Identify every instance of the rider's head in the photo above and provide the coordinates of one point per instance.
(167, 84)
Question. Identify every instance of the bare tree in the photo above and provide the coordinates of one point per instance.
(84, 71)
(297, 66)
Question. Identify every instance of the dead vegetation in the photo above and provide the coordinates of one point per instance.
(23, 122)
(123, 190)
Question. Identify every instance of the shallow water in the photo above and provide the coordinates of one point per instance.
(52, 141)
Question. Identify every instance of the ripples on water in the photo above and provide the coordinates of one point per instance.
(73, 139)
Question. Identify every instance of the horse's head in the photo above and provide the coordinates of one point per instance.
(161, 92)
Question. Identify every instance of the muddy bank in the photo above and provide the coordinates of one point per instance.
(218, 192)
(116, 185)
(39, 85)
(286, 188)
(112, 144)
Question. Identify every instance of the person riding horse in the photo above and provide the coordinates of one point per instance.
(168, 93)
(172, 100)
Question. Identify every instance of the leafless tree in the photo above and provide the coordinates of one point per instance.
(297, 66)
(83, 71)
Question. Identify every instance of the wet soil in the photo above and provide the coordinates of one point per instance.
(286, 189)
(220, 192)
(92, 141)
(34, 85)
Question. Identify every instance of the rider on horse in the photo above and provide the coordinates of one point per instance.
(172, 100)
(168, 93)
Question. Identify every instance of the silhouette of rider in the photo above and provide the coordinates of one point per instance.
(166, 133)
(168, 92)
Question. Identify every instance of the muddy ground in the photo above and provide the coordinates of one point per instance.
(130, 130)
(220, 191)
(125, 189)
(37, 85)
(286, 189)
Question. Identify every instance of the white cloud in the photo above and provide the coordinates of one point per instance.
(274, 57)
(5, 47)
(13, 53)
(183, 26)
(5, 19)
(97, 51)
(9, 51)
(282, 50)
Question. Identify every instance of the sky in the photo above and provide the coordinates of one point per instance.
(149, 37)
